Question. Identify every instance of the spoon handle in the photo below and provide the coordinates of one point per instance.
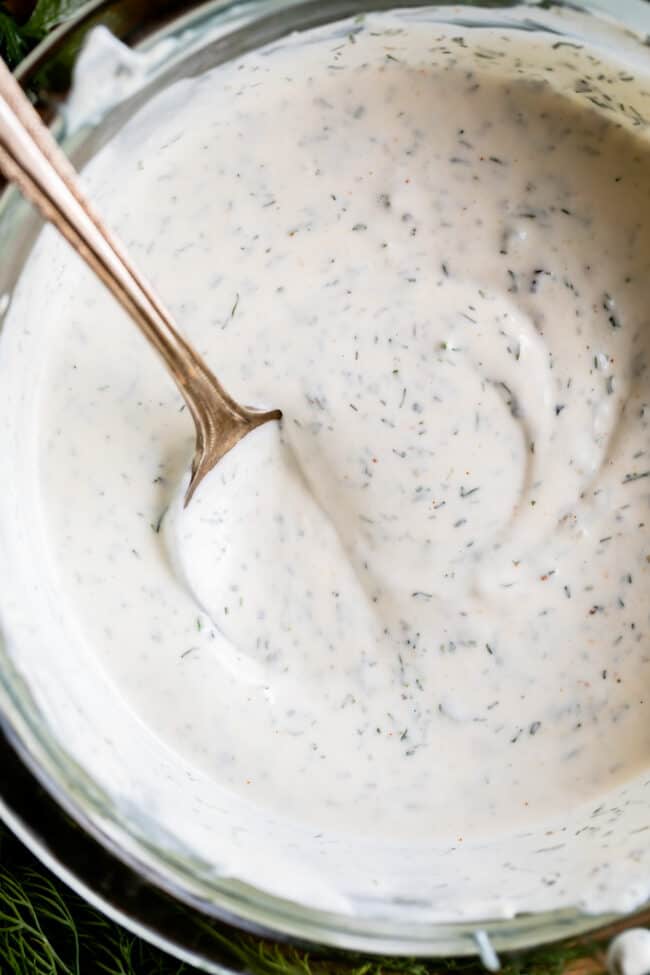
(31, 158)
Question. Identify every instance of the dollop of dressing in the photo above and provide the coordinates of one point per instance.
(418, 609)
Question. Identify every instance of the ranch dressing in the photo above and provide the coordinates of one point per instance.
(416, 611)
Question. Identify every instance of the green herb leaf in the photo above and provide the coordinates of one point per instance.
(16, 40)
(13, 46)
(48, 14)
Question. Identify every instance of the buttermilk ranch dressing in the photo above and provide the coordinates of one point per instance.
(415, 614)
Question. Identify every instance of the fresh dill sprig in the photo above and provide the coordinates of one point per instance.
(16, 39)
(13, 46)
(45, 929)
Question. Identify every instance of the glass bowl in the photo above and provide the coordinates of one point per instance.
(181, 40)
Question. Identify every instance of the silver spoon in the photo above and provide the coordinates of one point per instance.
(31, 158)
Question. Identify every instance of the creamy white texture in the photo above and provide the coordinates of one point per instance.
(422, 601)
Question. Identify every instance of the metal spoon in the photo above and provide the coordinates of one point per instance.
(31, 158)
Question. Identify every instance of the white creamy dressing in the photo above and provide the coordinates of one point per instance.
(414, 615)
